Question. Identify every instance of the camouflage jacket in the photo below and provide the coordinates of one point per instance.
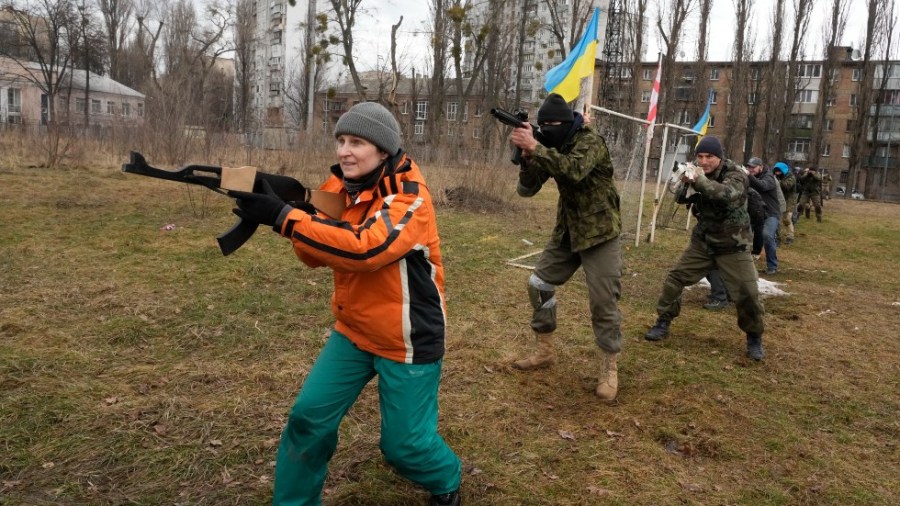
(720, 205)
(810, 183)
(789, 189)
(587, 212)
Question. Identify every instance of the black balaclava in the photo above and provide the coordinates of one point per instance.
(554, 108)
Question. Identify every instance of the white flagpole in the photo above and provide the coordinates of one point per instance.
(654, 101)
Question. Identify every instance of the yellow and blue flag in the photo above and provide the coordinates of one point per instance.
(703, 124)
(566, 77)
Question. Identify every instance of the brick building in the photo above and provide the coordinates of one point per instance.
(879, 173)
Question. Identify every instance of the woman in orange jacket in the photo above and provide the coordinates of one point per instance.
(389, 304)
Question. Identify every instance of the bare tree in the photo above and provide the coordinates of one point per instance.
(43, 29)
(773, 86)
(677, 14)
(876, 20)
(744, 96)
(568, 19)
(883, 100)
(834, 32)
(792, 82)
(437, 89)
(345, 12)
(118, 22)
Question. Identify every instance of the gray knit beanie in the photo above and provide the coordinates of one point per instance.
(374, 123)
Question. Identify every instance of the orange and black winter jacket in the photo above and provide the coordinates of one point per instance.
(385, 252)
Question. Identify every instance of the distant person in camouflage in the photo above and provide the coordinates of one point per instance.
(586, 233)
(720, 239)
(788, 187)
(809, 186)
(826, 185)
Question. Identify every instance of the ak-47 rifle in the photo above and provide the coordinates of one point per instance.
(515, 120)
(220, 180)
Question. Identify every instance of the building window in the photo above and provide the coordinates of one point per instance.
(712, 121)
(754, 73)
(829, 102)
(714, 74)
(645, 96)
(140, 109)
(419, 128)
(751, 98)
(476, 133)
(14, 100)
(479, 110)
(404, 107)
(826, 150)
(799, 146)
(422, 110)
(854, 100)
(846, 151)
(274, 88)
(648, 74)
(810, 70)
(126, 109)
(95, 106)
(715, 98)
(80, 105)
(110, 107)
(857, 75)
(829, 125)
(802, 120)
(276, 37)
(452, 111)
(684, 118)
(805, 97)
(465, 112)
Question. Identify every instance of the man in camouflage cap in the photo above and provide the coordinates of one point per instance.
(720, 239)
(586, 233)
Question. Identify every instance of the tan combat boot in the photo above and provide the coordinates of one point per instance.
(543, 357)
(608, 385)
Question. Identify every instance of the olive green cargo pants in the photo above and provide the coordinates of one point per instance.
(739, 273)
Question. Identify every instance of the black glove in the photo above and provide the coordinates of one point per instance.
(303, 205)
(263, 208)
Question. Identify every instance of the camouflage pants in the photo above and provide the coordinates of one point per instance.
(602, 266)
(810, 198)
(786, 230)
(740, 277)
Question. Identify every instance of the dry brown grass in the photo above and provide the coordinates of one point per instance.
(140, 366)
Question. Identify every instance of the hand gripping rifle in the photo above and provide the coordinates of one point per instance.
(219, 180)
(515, 120)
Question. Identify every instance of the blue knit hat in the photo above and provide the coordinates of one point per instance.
(710, 145)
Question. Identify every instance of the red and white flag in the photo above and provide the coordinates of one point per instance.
(654, 97)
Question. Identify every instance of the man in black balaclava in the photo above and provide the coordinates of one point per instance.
(586, 233)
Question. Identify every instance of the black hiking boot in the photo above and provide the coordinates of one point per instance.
(448, 499)
(754, 346)
(715, 304)
(659, 331)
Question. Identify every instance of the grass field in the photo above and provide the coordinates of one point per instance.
(139, 366)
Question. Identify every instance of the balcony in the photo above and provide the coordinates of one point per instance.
(796, 156)
(882, 161)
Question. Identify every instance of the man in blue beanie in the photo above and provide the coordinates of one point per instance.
(721, 240)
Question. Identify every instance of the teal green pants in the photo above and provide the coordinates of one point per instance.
(407, 395)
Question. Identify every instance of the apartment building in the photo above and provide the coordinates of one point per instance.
(879, 176)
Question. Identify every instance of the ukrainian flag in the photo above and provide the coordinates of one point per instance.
(703, 124)
(566, 77)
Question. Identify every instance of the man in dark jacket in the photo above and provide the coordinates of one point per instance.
(586, 232)
(721, 238)
(762, 180)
